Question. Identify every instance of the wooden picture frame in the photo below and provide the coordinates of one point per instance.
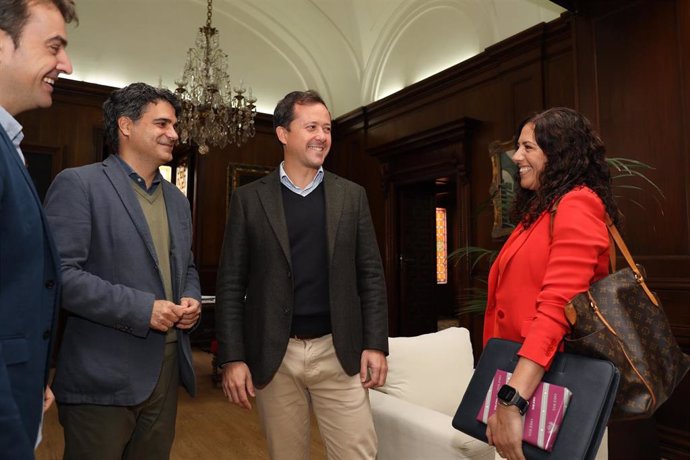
(241, 174)
(503, 172)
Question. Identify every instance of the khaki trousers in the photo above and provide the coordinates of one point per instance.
(142, 432)
(311, 376)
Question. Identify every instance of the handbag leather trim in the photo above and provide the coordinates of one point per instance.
(618, 240)
(600, 315)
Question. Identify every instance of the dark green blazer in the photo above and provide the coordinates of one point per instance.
(254, 290)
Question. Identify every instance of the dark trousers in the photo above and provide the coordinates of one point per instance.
(145, 431)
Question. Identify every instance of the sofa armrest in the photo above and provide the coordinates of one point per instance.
(408, 431)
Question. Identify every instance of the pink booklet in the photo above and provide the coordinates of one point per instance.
(544, 415)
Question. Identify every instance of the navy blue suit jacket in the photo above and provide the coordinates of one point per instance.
(29, 290)
(110, 278)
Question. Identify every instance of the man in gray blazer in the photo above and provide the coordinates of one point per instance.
(129, 286)
(300, 297)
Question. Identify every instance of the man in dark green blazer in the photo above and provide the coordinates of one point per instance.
(302, 317)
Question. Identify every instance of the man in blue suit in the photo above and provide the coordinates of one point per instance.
(130, 286)
(32, 56)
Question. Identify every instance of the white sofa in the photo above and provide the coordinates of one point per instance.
(427, 376)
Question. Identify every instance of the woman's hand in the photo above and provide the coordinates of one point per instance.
(504, 430)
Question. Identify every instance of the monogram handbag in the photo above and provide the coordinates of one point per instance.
(621, 320)
(592, 383)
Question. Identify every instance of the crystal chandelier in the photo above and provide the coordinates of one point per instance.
(211, 114)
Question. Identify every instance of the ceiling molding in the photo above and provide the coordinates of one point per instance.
(345, 49)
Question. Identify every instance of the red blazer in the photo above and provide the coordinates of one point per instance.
(535, 275)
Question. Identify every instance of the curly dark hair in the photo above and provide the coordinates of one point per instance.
(130, 102)
(575, 156)
(15, 13)
(285, 110)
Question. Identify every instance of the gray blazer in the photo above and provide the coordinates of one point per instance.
(254, 291)
(109, 355)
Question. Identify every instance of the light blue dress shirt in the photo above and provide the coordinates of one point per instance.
(285, 180)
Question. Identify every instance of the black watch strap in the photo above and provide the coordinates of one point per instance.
(509, 396)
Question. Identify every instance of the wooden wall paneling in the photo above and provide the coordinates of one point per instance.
(631, 63)
(420, 107)
(349, 160)
(411, 161)
(558, 80)
(641, 116)
(584, 68)
(418, 306)
(43, 163)
(68, 124)
(525, 93)
(210, 207)
(676, 439)
(683, 25)
(639, 80)
(209, 214)
(480, 88)
(674, 424)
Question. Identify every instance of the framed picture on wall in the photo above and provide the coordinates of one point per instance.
(182, 175)
(503, 186)
(241, 174)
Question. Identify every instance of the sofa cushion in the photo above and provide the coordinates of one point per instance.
(431, 370)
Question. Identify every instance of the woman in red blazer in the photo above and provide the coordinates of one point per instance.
(559, 248)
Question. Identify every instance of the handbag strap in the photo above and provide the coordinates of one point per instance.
(615, 240)
(618, 241)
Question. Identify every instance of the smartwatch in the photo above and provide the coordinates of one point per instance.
(508, 396)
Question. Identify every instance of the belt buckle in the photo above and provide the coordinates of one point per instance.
(303, 337)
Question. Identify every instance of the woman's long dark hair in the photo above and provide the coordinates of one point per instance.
(575, 156)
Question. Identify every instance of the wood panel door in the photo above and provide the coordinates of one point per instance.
(417, 257)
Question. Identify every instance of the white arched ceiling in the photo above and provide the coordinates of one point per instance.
(442, 33)
(438, 37)
(352, 51)
(509, 17)
(302, 30)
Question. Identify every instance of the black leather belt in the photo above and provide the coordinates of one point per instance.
(305, 336)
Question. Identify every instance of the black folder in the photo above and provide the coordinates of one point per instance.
(593, 383)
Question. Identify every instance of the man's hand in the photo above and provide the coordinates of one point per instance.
(190, 312)
(373, 368)
(237, 383)
(48, 399)
(164, 315)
